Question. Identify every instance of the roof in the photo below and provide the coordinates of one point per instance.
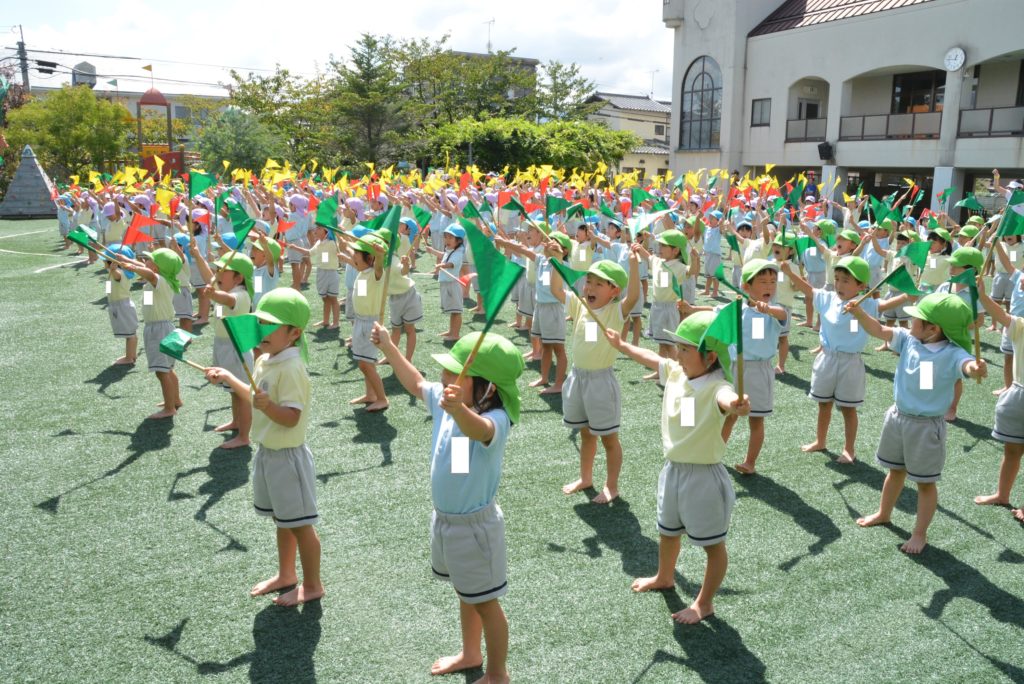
(800, 13)
(153, 97)
(641, 103)
(650, 149)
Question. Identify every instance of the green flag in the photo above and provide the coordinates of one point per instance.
(795, 195)
(219, 202)
(660, 205)
(392, 220)
(900, 280)
(575, 210)
(422, 215)
(84, 236)
(470, 211)
(969, 278)
(570, 276)
(734, 244)
(606, 210)
(485, 206)
(246, 332)
(916, 252)
(198, 182)
(175, 344)
(918, 197)
(638, 196)
(678, 183)
(726, 329)
(553, 205)
(712, 182)
(970, 203)
(933, 223)
(724, 280)
(327, 215)
(1013, 216)
(496, 275)
(778, 204)
(377, 222)
(514, 205)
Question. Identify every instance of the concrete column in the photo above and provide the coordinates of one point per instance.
(839, 97)
(950, 117)
(945, 177)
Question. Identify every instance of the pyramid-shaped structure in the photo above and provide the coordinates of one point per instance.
(29, 193)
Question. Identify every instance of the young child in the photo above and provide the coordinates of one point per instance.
(936, 268)
(405, 305)
(178, 243)
(159, 269)
(960, 261)
(897, 316)
(283, 475)
(124, 319)
(1015, 306)
(712, 254)
(695, 494)
(448, 270)
(1002, 286)
(785, 296)
(668, 267)
(934, 353)
(1009, 422)
(549, 316)
(266, 259)
(473, 415)
(530, 250)
(324, 256)
(591, 399)
(367, 254)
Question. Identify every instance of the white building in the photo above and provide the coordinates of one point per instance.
(928, 89)
(650, 119)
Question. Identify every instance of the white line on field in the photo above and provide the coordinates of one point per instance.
(34, 232)
(70, 263)
(11, 251)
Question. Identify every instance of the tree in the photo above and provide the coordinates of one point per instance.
(240, 138)
(562, 93)
(70, 130)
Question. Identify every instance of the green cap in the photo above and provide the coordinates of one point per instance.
(976, 220)
(168, 264)
(497, 360)
(239, 263)
(755, 266)
(384, 234)
(286, 306)
(673, 238)
(610, 271)
(856, 267)
(967, 257)
(691, 332)
(827, 226)
(365, 244)
(273, 245)
(542, 226)
(850, 235)
(968, 232)
(950, 313)
(888, 225)
(911, 235)
(942, 233)
(787, 241)
(563, 240)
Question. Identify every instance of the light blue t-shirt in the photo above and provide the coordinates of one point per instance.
(835, 332)
(269, 282)
(713, 240)
(619, 253)
(1016, 295)
(765, 348)
(463, 493)
(813, 261)
(542, 288)
(947, 361)
(874, 259)
(455, 258)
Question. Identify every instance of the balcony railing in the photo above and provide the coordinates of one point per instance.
(805, 130)
(993, 122)
(890, 126)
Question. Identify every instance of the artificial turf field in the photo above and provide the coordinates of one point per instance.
(130, 546)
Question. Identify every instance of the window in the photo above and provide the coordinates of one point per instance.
(181, 112)
(701, 113)
(761, 112)
(921, 91)
(659, 130)
(808, 109)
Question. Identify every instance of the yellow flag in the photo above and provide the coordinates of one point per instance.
(370, 166)
(148, 67)
(271, 164)
(910, 182)
(159, 165)
(163, 198)
(74, 180)
(669, 176)
(226, 164)
(847, 198)
(602, 168)
(768, 168)
(314, 163)
(836, 185)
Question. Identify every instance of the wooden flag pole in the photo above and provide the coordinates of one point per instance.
(471, 358)
(194, 365)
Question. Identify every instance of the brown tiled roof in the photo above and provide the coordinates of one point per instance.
(799, 13)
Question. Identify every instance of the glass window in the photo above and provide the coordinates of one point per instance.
(701, 111)
(761, 112)
(921, 91)
(659, 130)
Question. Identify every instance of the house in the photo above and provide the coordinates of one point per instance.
(648, 118)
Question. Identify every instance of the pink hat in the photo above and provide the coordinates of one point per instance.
(109, 209)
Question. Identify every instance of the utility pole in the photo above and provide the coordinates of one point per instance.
(23, 56)
(490, 25)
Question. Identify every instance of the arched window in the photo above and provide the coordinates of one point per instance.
(701, 114)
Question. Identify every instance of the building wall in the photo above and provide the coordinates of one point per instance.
(997, 85)
(641, 123)
(652, 164)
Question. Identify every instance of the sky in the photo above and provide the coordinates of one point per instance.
(617, 44)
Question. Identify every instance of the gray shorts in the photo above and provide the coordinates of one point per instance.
(1005, 343)
(362, 347)
(437, 238)
(468, 550)
(737, 275)
(759, 385)
(195, 278)
(549, 323)
(690, 289)
(451, 298)
(1002, 287)
(592, 399)
(638, 309)
(897, 314)
(294, 256)
(785, 325)
(284, 486)
(152, 333)
(405, 308)
(695, 499)
(124, 319)
(816, 279)
(664, 316)
(1009, 427)
(527, 302)
(328, 282)
(711, 262)
(225, 356)
(350, 305)
(916, 444)
(183, 304)
(838, 377)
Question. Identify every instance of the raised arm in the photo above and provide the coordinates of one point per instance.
(407, 374)
(871, 326)
(645, 357)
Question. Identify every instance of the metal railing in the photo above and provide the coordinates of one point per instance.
(805, 130)
(991, 122)
(919, 125)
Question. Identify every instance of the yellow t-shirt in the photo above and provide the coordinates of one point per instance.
(830, 258)
(597, 354)
(1017, 339)
(324, 254)
(661, 278)
(115, 231)
(755, 249)
(119, 289)
(936, 270)
(785, 295)
(399, 284)
(243, 305)
(1015, 253)
(367, 297)
(283, 376)
(161, 298)
(699, 441)
(581, 256)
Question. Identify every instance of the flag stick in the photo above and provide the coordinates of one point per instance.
(472, 356)
(977, 343)
(873, 291)
(384, 290)
(194, 365)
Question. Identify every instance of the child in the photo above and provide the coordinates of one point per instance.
(960, 261)
(549, 316)
(283, 475)
(183, 299)
(695, 494)
(897, 316)
(324, 255)
(617, 248)
(231, 292)
(472, 415)
(159, 269)
(1002, 286)
(785, 296)
(1015, 307)
(712, 254)
(266, 259)
(404, 302)
(124, 320)
(1009, 423)
(934, 353)
(591, 399)
(448, 269)
(936, 269)
(668, 268)
(367, 254)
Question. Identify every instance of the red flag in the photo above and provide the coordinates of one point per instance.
(153, 208)
(464, 181)
(543, 187)
(531, 207)
(627, 207)
(53, 193)
(373, 191)
(204, 219)
(503, 197)
(525, 197)
(284, 226)
(314, 202)
(175, 201)
(707, 205)
(135, 233)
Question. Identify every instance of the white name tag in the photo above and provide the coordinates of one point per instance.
(757, 327)
(663, 279)
(583, 253)
(109, 286)
(1013, 255)
(147, 298)
(933, 263)
(855, 326)
(360, 288)
(218, 310)
(687, 411)
(812, 251)
(590, 331)
(257, 284)
(927, 375)
(545, 278)
(324, 257)
(782, 276)
(460, 455)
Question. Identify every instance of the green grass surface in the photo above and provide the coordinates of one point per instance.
(129, 547)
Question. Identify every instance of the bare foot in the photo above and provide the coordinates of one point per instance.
(577, 486)
(226, 427)
(813, 446)
(320, 324)
(300, 594)
(693, 614)
(383, 362)
(124, 361)
(273, 584)
(872, 520)
(160, 415)
(365, 399)
(488, 679)
(455, 663)
(235, 443)
(378, 406)
(997, 392)
(1018, 513)
(554, 389)
(805, 324)
(816, 350)
(992, 328)
(915, 544)
(846, 458)
(539, 382)
(950, 416)
(744, 468)
(178, 404)
(202, 321)
(449, 339)
(991, 500)
(528, 356)
(333, 327)
(445, 334)
(606, 496)
(642, 584)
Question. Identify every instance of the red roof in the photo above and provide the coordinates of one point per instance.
(799, 13)
(153, 97)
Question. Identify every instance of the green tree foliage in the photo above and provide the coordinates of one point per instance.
(70, 130)
(562, 93)
(239, 137)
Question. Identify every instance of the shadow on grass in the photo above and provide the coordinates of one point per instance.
(284, 643)
(150, 435)
(1013, 672)
(374, 428)
(227, 470)
(713, 650)
(109, 376)
(788, 502)
(794, 381)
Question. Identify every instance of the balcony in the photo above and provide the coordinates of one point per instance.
(805, 130)
(993, 122)
(910, 126)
